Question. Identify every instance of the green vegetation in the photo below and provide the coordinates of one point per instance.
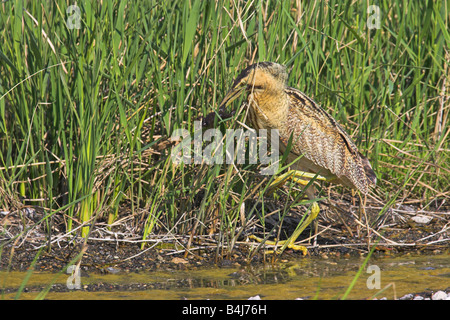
(85, 113)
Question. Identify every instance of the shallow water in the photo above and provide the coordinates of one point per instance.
(311, 278)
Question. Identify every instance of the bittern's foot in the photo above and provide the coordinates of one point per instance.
(302, 178)
(290, 243)
(292, 246)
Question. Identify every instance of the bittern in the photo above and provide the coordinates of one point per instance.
(320, 148)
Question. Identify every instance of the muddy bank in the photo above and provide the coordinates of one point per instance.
(110, 257)
(342, 232)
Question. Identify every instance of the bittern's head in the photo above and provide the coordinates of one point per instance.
(258, 78)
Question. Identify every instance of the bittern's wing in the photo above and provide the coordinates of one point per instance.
(324, 142)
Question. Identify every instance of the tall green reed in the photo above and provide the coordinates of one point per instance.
(81, 109)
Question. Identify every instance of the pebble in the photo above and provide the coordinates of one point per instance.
(421, 219)
(408, 296)
(112, 270)
(440, 295)
(225, 263)
(177, 260)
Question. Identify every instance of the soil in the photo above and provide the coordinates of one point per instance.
(105, 254)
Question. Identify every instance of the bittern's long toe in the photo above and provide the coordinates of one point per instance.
(290, 243)
(296, 247)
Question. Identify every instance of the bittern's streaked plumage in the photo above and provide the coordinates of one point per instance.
(326, 149)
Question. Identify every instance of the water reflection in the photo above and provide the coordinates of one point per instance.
(304, 278)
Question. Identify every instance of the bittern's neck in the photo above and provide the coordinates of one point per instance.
(272, 105)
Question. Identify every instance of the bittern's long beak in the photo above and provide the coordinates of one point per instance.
(234, 93)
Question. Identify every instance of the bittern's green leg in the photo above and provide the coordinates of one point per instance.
(297, 176)
(301, 178)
